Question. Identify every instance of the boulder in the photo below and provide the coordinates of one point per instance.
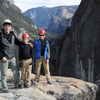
(10, 76)
(2, 98)
(98, 93)
(61, 88)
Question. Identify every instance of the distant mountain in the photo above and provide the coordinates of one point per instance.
(11, 1)
(61, 18)
(21, 23)
(43, 15)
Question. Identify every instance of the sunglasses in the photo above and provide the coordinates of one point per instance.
(41, 35)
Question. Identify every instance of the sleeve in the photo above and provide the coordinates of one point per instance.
(31, 50)
(17, 42)
(19, 52)
(1, 54)
(48, 51)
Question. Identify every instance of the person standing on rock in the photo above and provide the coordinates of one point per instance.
(26, 61)
(7, 56)
(42, 55)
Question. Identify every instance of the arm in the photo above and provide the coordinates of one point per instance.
(31, 51)
(20, 62)
(30, 44)
(2, 56)
(19, 53)
(17, 42)
(48, 51)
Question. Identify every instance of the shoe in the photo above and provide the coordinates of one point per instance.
(18, 86)
(48, 82)
(27, 85)
(22, 86)
(5, 91)
(36, 81)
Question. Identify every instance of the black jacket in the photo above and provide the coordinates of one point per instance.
(25, 51)
(7, 44)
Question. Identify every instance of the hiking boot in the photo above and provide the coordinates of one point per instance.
(18, 86)
(22, 86)
(27, 85)
(48, 82)
(36, 81)
(5, 91)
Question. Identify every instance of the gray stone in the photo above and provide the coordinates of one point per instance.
(61, 88)
(80, 56)
(43, 16)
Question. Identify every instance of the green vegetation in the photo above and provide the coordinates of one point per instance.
(53, 37)
(19, 20)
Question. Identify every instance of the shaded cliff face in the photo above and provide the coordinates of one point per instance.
(79, 55)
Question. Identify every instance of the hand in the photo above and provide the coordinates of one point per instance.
(20, 64)
(31, 62)
(47, 61)
(4, 59)
(30, 44)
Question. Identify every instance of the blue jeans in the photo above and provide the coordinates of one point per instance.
(4, 67)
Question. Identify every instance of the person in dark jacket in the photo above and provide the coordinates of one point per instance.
(42, 55)
(7, 56)
(26, 61)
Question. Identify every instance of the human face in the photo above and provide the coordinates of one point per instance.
(42, 36)
(7, 28)
(25, 40)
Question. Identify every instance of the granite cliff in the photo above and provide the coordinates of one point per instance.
(78, 53)
(59, 19)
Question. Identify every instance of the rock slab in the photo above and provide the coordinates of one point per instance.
(61, 88)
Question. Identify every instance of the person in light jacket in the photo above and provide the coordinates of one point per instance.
(7, 55)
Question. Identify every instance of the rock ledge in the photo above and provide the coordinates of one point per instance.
(61, 88)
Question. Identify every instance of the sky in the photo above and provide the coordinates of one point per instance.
(28, 4)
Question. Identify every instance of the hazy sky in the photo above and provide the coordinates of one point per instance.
(28, 4)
